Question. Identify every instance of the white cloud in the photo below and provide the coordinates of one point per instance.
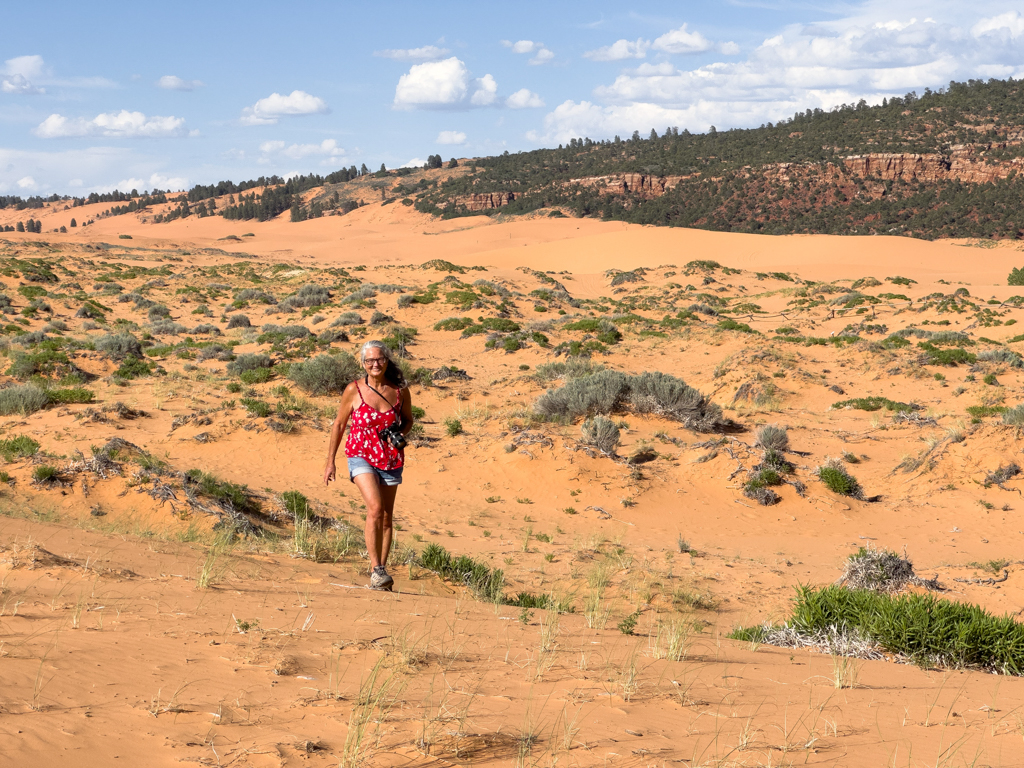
(486, 92)
(123, 124)
(541, 54)
(425, 53)
(619, 50)
(175, 83)
(1010, 23)
(20, 72)
(444, 84)
(275, 106)
(874, 55)
(524, 98)
(682, 41)
(451, 137)
(434, 84)
(414, 163)
(328, 149)
(27, 182)
(155, 181)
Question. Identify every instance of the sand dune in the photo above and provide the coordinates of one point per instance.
(114, 645)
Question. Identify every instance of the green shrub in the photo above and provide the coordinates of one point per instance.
(452, 426)
(239, 321)
(453, 324)
(835, 477)
(70, 395)
(935, 356)
(665, 395)
(256, 376)
(45, 473)
(256, 407)
(18, 447)
(24, 399)
(296, 504)
(602, 433)
(249, 362)
(1016, 277)
(41, 362)
(134, 368)
(325, 374)
(234, 387)
(118, 346)
(602, 393)
(728, 324)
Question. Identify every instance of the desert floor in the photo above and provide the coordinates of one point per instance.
(136, 627)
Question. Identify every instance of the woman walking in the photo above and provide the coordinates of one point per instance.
(380, 409)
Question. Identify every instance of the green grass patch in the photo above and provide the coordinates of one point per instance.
(728, 324)
(256, 376)
(983, 411)
(484, 583)
(954, 356)
(18, 447)
(233, 494)
(70, 395)
(874, 404)
(134, 368)
(256, 407)
(924, 628)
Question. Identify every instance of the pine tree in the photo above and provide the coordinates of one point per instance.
(74, 223)
(21, 226)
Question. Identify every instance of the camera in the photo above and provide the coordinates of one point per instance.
(393, 436)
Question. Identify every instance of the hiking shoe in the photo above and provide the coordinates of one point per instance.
(380, 579)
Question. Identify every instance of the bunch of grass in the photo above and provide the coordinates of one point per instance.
(348, 318)
(602, 433)
(485, 584)
(249, 362)
(1014, 416)
(206, 329)
(24, 399)
(772, 437)
(1001, 355)
(878, 570)
(309, 295)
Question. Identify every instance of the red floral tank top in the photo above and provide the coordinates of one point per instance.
(364, 442)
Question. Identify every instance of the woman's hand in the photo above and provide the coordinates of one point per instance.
(329, 473)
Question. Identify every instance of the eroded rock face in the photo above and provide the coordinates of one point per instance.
(485, 201)
(961, 164)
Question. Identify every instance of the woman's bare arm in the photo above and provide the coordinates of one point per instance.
(337, 432)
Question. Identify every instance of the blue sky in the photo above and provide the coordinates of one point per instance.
(95, 96)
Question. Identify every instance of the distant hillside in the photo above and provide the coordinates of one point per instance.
(945, 164)
(941, 165)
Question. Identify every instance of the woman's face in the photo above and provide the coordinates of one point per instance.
(374, 361)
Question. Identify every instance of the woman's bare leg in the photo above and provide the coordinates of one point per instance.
(380, 508)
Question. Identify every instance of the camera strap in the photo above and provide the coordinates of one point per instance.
(393, 407)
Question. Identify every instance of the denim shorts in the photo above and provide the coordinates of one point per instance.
(358, 466)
